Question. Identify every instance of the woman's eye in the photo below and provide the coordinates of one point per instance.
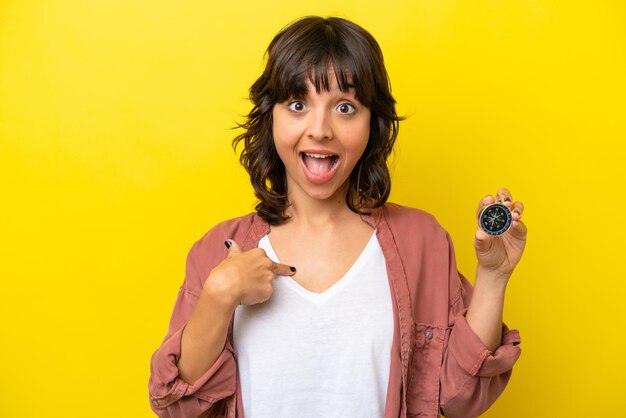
(346, 108)
(296, 106)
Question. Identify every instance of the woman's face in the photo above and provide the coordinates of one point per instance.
(320, 138)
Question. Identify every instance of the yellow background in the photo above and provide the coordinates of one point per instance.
(115, 129)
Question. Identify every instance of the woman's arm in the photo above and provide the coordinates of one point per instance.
(195, 365)
(242, 278)
(484, 315)
(204, 335)
(480, 350)
(497, 257)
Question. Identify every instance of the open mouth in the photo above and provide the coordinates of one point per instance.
(319, 167)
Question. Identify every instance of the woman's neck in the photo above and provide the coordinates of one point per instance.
(307, 211)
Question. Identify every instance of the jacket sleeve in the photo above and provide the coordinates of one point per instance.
(472, 377)
(170, 396)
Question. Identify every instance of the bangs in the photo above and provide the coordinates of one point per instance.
(293, 81)
(317, 55)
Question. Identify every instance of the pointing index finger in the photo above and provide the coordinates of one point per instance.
(283, 269)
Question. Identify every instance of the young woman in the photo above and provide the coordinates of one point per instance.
(328, 301)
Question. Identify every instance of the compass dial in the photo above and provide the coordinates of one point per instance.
(495, 219)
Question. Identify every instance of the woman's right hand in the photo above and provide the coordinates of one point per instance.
(244, 277)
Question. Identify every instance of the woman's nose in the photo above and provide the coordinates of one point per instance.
(319, 127)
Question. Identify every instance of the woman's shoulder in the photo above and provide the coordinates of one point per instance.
(210, 250)
(238, 229)
(409, 218)
(416, 233)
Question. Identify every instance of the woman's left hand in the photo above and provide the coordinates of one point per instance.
(500, 254)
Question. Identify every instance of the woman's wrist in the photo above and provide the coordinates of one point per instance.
(220, 290)
(497, 278)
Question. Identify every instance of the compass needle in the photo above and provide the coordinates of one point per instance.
(495, 219)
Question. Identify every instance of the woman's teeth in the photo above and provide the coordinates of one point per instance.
(317, 155)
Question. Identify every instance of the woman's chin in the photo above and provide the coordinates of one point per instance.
(327, 192)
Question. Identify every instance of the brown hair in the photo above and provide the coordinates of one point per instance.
(306, 48)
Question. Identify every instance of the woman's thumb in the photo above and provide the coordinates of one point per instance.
(233, 248)
(482, 241)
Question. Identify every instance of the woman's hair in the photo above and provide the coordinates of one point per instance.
(308, 49)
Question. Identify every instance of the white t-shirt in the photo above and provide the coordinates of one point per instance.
(304, 354)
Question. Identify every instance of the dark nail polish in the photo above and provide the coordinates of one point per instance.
(507, 199)
(227, 244)
(293, 269)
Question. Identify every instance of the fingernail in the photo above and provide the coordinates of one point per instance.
(507, 199)
(517, 212)
(293, 269)
(227, 243)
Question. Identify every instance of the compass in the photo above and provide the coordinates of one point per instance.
(495, 219)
